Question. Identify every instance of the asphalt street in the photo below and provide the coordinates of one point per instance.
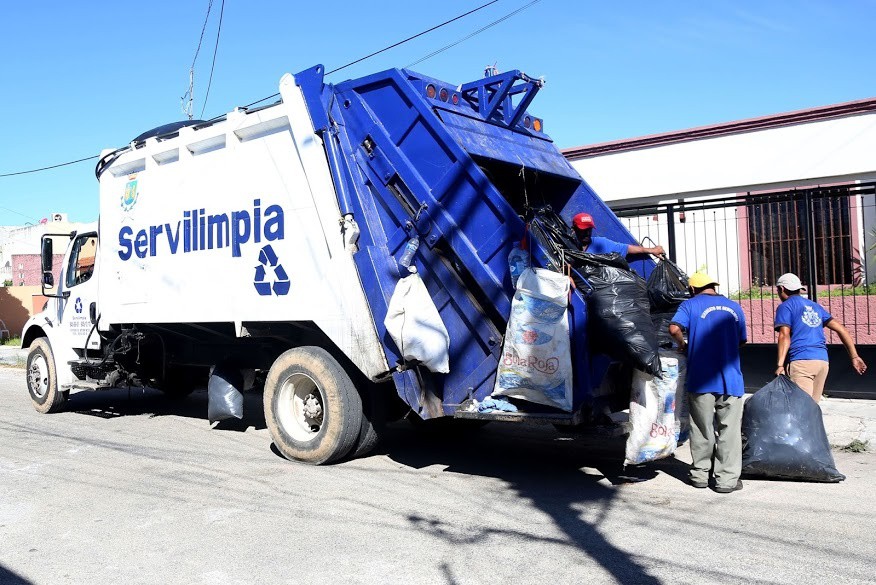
(136, 488)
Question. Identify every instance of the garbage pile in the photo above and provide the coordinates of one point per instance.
(619, 318)
(784, 437)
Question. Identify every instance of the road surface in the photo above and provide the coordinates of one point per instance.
(139, 489)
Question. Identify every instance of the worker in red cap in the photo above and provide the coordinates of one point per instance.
(583, 225)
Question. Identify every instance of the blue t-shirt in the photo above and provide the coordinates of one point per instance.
(600, 245)
(715, 328)
(806, 320)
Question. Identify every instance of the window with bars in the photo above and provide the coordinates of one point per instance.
(777, 236)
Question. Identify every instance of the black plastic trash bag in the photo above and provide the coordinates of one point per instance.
(224, 399)
(619, 321)
(661, 328)
(667, 287)
(784, 436)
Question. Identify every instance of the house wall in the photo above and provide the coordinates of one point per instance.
(826, 151)
(17, 304)
(27, 269)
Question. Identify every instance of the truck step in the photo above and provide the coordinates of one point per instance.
(85, 385)
(540, 418)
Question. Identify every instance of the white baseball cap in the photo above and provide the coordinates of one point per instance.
(790, 281)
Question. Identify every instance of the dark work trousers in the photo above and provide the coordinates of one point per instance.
(726, 448)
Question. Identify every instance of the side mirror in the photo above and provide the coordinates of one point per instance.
(47, 254)
(46, 262)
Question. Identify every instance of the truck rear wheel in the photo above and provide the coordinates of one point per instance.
(312, 408)
(373, 420)
(42, 381)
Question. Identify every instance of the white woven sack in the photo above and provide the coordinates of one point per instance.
(416, 327)
(536, 364)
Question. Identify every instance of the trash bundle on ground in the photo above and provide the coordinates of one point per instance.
(536, 363)
(667, 288)
(784, 436)
(655, 417)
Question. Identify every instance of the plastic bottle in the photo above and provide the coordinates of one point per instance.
(518, 261)
(408, 255)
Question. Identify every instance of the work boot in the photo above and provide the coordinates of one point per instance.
(728, 490)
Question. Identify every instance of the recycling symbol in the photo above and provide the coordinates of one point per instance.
(270, 275)
(77, 306)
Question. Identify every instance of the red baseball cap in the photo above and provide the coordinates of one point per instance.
(583, 221)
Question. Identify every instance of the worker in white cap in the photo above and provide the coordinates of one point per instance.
(715, 328)
(800, 323)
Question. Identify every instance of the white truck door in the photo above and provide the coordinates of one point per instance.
(80, 291)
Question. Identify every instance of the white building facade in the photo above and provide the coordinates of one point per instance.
(751, 199)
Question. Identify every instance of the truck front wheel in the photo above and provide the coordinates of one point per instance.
(42, 381)
(312, 408)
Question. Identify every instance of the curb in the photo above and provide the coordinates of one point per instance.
(13, 357)
(847, 420)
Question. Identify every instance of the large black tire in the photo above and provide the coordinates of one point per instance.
(42, 380)
(373, 419)
(312, 408)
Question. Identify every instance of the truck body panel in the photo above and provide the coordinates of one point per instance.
(236, 222)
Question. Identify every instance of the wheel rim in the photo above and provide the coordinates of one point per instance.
(38, 376)
(300, 407)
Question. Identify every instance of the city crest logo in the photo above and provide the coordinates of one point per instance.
(129, 197)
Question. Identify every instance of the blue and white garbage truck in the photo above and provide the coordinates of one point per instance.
(268, 241)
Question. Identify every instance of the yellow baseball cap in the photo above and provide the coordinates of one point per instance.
(701, 280)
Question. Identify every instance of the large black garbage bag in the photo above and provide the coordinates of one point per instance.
(554, 234)
(784, 436)
(617, 307)
(667, 286)
(224, 399)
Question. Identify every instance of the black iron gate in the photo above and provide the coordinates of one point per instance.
(825, 235)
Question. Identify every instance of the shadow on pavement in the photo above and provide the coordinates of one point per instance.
(7, 577)
(557, 476)
(116, 403)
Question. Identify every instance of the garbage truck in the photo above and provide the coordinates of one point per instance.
(267, 243)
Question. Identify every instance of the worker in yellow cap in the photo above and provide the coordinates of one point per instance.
(715, 328)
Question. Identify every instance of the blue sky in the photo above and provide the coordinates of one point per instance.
(79, 77)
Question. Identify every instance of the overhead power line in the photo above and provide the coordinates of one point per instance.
(190, 92)
(213, 65)
(388, 47)
(383, 50)
(19, 213)
(72, 162)
(475, 33)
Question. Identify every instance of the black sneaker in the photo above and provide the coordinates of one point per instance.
(698, 483)
(728, 490)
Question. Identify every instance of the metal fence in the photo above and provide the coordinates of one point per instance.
(826, 235)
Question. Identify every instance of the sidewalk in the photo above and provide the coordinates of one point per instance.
(12, 356)
(846, 420)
